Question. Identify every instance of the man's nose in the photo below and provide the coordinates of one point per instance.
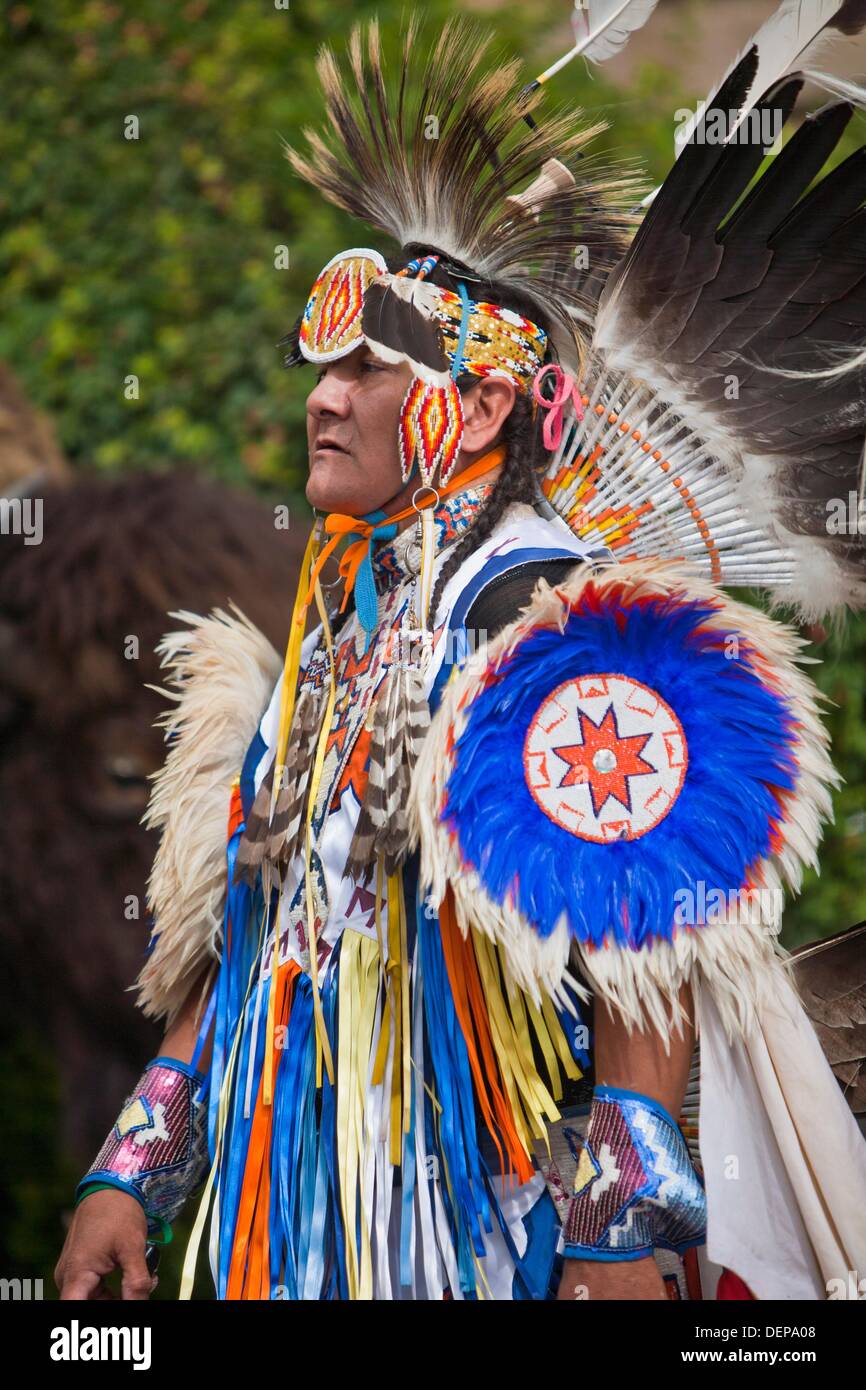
(330, 396)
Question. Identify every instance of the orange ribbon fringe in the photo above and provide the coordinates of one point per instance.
(338, 525)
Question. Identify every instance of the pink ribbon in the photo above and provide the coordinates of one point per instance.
(566, 389)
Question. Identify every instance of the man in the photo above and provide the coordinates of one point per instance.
(509, 781)
(357, 400)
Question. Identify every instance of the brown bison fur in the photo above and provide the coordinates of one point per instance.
(28, 447)
(77, 743)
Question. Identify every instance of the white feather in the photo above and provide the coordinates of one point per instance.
(602, 28)
(222, 673)
(782, 41)
(840, 87)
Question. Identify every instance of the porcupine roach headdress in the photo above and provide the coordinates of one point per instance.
(435, 165)
(435, 161)
(720, 407)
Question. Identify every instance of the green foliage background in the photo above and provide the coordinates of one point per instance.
(156, 257)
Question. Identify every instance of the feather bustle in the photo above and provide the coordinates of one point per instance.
(739, 962)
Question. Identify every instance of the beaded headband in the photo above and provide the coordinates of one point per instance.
(496, 341)
(403, 318)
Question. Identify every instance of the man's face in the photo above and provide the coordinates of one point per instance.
(353, 413)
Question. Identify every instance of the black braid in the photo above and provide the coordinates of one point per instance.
(515, 483)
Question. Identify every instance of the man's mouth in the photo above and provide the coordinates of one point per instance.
(325, 445)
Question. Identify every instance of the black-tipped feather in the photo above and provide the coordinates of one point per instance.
(402, 325)
(711, 293)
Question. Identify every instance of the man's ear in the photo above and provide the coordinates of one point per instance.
(486, 405)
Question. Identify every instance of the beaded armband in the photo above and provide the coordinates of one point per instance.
(157, 1149)
(635, 1188)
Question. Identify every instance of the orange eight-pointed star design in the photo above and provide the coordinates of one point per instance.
(605, 760)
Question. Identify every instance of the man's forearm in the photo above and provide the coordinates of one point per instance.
(157, 1149)
(180, 1039)
(637, 1062)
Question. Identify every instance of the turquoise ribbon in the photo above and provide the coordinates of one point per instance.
(366, 598)
(464, 329)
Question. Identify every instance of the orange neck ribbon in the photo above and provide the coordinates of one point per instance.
(363, 532)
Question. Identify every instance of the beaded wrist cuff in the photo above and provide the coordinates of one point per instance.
(635, 1188)
(157, 1149)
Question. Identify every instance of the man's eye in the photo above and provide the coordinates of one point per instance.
(369, 366)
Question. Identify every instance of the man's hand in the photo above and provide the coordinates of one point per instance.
(612, 1279)
(108, 1231)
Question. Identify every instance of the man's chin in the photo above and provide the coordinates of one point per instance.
(328, 488)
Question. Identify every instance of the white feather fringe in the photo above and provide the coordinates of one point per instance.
(739, 962)
(224, 671)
